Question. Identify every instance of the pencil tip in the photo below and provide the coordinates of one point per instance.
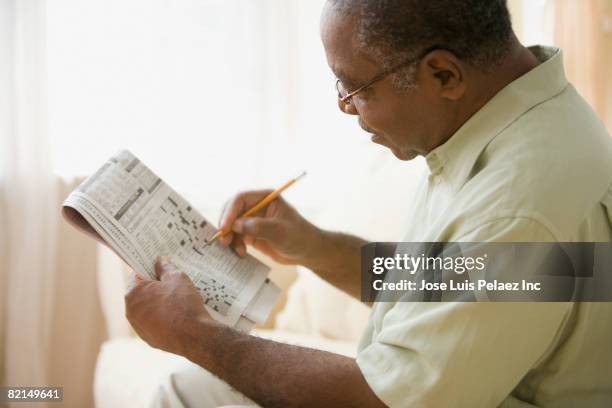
(301, 175)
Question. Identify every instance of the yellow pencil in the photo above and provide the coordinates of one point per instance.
(259, 206)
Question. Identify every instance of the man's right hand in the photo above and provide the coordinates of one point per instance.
(278, 230)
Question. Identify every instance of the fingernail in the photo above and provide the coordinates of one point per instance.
(164, 261)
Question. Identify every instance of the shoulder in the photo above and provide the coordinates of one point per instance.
(551, 166)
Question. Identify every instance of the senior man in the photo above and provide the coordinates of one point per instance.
(514, 154)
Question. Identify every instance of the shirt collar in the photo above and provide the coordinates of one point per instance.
(456, 158)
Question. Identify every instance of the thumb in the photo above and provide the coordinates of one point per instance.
(163, 267)
(258, 228)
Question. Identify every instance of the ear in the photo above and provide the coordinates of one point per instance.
(445, 73)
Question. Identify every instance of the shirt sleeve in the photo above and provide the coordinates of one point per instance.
(461, 354)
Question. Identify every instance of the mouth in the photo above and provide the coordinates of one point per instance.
(375, 136)
(366, 128)
(379, 138)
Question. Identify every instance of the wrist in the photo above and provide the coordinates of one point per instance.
(199, 337)
(322, 250)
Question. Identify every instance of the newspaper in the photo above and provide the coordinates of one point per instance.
(129, 208)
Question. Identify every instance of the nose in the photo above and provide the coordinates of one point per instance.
(347, 108)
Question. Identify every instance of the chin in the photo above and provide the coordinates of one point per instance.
(406, 156)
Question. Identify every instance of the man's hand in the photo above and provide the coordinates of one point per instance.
(278, 230)
(166, 313)
(169, 314)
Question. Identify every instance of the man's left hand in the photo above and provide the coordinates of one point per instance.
(166, 313)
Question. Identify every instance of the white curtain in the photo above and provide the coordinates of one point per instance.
(50, 320)
(28, 188)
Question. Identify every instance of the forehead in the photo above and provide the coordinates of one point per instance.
(342, 47)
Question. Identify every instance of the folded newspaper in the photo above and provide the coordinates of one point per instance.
(125, 206)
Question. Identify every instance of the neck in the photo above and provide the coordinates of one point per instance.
(515, 64)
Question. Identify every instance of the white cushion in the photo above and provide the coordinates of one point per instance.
(373, 204)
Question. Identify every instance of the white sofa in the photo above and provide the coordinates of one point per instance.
(313, 314)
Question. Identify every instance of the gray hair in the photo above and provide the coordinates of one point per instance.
(393, 32)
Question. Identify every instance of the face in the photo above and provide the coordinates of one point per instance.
(408, 123)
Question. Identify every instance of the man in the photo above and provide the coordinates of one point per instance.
(514, 154)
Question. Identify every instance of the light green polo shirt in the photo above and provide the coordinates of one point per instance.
(534, 164)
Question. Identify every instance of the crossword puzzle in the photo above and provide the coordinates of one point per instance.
(185, 223)
(189, 230)
(214, 294)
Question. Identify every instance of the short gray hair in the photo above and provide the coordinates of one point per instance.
(392, 32)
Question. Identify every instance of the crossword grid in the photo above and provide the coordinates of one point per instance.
(185, 223)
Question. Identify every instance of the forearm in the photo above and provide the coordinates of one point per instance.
(279, 375)
(338, 261)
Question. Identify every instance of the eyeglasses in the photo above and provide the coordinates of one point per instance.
(347, 97)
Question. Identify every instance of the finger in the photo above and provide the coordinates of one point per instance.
(231, 211)
(248, 240)
(135, 286)
(258, 228)
(133, 280)
(239, 247)
(237, 241)
(227, 239)
(239, 205)
(163, 268)
(223, 212)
